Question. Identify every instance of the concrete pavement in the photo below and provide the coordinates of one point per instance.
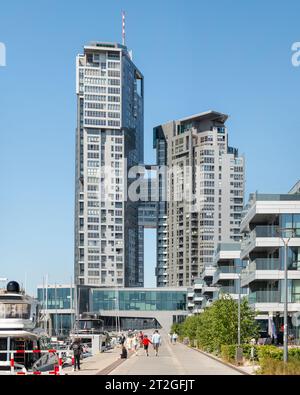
(96, 364)
(172, 360)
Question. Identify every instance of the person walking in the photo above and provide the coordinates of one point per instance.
(128, 342)
(146, 342)
(141, 337)
(122, 339)
(156, 341)
(135, 343)
(77, 350)
(174, 337)
(124, 352)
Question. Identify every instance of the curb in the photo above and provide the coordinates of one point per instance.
(220, 360)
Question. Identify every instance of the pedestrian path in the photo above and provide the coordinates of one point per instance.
(96, 364)
(172, 360)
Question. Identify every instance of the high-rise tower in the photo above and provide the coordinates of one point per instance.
(109, 140)
(201, 187)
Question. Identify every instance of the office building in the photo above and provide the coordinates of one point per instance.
(119, 308)
(57, 308)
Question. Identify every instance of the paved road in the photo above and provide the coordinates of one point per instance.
(173, 359)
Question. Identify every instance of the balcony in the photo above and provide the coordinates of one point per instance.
(268, 269)
(253, 239)
(198, 298)
(198, 284)
(225, 273)
(264, 265)
(207, 289)
(264, 297)
(208, 271)
(228, 289)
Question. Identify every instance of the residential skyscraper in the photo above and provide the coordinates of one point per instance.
(201, 192)
(109, 141)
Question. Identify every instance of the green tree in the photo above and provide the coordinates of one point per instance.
(218, 324)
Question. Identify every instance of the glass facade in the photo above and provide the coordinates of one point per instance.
(291, 221)
(57, 298)
(138, 300)
(61, 324)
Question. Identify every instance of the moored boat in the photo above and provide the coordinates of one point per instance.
(19, 334)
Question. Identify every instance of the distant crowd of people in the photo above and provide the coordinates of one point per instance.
(137, 340)
(133, 341)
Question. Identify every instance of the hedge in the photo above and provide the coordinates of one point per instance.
(228, 352)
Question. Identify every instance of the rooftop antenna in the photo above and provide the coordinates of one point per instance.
(123, 27)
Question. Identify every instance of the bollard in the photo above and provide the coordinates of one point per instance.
(12, 363)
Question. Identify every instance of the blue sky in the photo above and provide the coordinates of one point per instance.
(228, 55)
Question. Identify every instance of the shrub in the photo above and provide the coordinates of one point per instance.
(247, 351)
(275, 353)
(270, 366)
(228, 352)
(269, 352)
(294, 353)
(177, 328)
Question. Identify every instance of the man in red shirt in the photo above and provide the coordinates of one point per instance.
(146, 342)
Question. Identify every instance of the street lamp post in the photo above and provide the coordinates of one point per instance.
(239, 312)
(285, 241)
(239, 351)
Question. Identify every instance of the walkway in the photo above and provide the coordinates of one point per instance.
(173, 359)
(96, 364)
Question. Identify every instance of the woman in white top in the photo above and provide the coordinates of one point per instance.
(174, 337)
(128, 343)
(135, 343)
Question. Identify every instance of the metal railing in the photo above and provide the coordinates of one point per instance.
(58, 367)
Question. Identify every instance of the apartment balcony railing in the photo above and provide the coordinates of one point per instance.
(264, 297)
(226, 269)
(249, 274)
(259, 232)
(261, 264)
(269, 231)
(266, 264)
(228, 289)
(266, 231)
(198, 298)
(271, 297)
